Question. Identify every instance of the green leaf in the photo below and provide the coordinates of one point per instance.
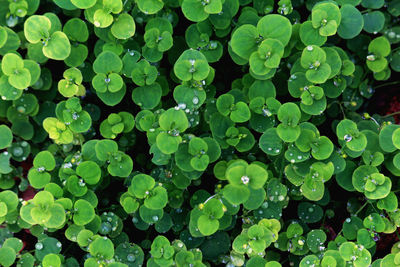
(193, 10)
(158, 198)
(44, 159)
(373, 21)
(148, 96)
(37, 28)
(89, 171)
(83, 212)
(6, 136)
(236, 194)
(107, 62)
(102, 247)
(276, 27)
(83, 4)
(352, 22)
(150, 6)
(123, 26)
(141, 185)
(57, 47)
(51, 260)
(11, 63)
(244, 41)
(206, 225)
(7, 256)
(191, 64)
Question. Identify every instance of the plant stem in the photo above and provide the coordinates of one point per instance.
(282, 159)
(386, 84)
(361, 208)
(341, 108)
(391, 114)
(355, 214)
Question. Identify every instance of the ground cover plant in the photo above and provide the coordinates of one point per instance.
(199, 133)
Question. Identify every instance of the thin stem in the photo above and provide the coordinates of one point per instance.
(386, 84)
(355, 214)
(397, 234)
(282, 159)
(391, 114)
(341, 108)
(361, 208)
(333, 102)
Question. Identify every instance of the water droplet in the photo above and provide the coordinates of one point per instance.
(18, 151)
(266, 112)
(75, 116)
(131, 257)
(181, 105)
(107, 80)
(310, 48)
(155, 218)
(39, 246)
(40, 169)
(59, 244)
(245, 179)
(195, 100)
(347, 138)
(348, 220)
(310, 210)
(21, 109)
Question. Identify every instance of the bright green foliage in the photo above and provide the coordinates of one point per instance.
(238, 112)
(191, 65)
(368, 180)
(143, 187)
(172, 122)
(43, 210)
(5, 136)
(378, 49)
(244, 181)
(258, 237)
(123, 122)
(56, 45)
(71, 85)
(199, 133)
(39, 174)
(326, 18)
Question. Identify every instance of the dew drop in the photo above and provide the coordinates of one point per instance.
(347, 138)
(21, 109)
(39, 246)
(131, 257)
(18, 151)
